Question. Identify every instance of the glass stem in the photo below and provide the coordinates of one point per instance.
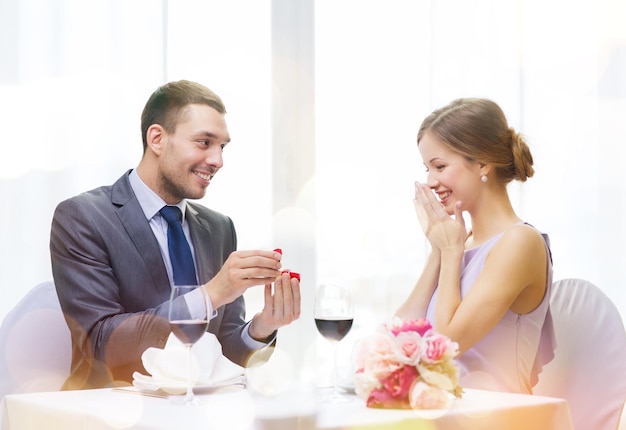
(334, 375)
(189, 395)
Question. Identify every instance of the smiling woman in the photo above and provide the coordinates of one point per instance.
(486, 288)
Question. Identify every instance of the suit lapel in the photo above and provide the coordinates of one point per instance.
(138, 229)
(201, 234)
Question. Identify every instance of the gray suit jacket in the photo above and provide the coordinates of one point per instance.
(113, 285)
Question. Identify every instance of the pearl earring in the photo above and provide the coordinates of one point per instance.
(484, 178)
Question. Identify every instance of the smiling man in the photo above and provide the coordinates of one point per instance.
(111, 262)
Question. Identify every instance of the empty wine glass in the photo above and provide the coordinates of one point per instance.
(188, 324)
(334, 314)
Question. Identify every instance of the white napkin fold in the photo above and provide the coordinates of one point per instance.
(168, 366)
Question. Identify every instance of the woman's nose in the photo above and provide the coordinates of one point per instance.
(431, 180)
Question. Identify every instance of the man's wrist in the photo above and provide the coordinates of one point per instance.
(266, 339)
(259, 337)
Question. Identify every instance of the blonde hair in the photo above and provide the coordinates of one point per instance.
(477, 128)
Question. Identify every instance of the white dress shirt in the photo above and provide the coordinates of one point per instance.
(151, 204)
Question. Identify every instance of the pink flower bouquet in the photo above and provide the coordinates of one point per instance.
(407, 365)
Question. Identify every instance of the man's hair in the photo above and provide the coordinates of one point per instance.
(166, 105)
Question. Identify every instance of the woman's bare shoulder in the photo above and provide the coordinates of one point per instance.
(523, 241)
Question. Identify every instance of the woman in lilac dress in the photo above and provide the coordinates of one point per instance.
(486, 287)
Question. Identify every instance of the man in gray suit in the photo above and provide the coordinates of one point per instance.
(110, 258)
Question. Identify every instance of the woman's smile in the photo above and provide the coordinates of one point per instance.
(443, 196)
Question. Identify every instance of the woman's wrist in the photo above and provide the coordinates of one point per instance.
(451, 252)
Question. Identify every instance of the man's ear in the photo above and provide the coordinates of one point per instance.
(156, 137)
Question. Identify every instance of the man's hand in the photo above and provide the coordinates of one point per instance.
(242, 270)
(282, 306)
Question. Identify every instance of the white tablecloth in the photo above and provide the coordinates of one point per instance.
(237, 409)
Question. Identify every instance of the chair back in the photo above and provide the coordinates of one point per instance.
(589, 366)
(35, 344)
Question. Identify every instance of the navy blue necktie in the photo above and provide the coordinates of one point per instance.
(180, 253)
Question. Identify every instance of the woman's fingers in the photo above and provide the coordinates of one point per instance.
(426, 198)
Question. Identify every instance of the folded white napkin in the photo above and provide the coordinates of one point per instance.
(168, 366)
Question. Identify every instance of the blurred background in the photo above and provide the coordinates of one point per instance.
(324, 100)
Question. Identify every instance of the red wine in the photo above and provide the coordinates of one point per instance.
(334, 329)
(188, 331)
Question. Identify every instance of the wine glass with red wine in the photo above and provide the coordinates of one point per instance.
(188, 322)
(334, 314)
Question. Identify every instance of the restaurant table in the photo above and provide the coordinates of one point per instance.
(239, 409)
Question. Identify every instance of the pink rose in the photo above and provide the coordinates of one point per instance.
(394, 392)
(409, 347)
(377, 356)
(424, 396)
(400, 381)
(421, 326)
(437, 347)
(378, 398)
(381, 398)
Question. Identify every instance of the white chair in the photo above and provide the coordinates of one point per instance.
(589, 367)
(35, 344)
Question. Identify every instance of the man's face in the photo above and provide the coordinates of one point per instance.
(192, 154)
